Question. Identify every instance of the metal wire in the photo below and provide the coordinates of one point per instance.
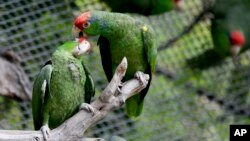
(182, 104)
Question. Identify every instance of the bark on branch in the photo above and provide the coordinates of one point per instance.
(74, 128)
(14, 83)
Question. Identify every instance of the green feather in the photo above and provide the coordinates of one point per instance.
(39, 96)
(68, 83)
(229, 15)
(122, 36)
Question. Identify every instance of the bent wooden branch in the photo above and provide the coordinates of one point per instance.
(74, 128)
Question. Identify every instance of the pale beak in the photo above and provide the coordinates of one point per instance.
(180, 5)
(82, 48)
(235, 50)
(75, 31)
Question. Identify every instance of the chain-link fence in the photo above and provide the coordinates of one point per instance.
(182, 104)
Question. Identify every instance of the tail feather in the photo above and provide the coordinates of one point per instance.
(134, 104)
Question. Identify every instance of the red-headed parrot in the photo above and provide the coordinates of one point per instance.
(61, 86)
(121, 36)
(229, 30)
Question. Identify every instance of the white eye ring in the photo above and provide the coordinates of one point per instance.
(86, 25)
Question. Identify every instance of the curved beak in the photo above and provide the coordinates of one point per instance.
(75, 31)
(235, 50)
(82, 48)
(179, 6)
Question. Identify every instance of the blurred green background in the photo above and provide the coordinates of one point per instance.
(182, 104)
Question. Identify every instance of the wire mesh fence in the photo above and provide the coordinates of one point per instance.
(182, 104)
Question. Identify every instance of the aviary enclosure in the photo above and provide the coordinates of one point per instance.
(185, 102)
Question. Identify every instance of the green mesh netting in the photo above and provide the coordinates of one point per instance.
(182, 104)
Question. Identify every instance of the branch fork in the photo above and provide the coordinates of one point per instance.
(74, 128)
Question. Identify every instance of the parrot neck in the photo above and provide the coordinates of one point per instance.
(68, 46)
(66, 49)
(111, 25)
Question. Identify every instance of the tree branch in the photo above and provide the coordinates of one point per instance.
(74, 128)
(14, 83)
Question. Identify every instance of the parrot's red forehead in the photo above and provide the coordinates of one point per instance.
(81, 20)
(237, 38)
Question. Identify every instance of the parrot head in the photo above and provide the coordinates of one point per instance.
(82, 48)
(237, 40)
(85, 24)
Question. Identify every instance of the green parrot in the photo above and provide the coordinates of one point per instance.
(121, 36)
(61, 86)
(229, 29)
(144, 7)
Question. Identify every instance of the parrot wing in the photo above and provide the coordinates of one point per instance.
(105, 56)
(89, 85)
(40, 92)
(134, 105)
(149, 45)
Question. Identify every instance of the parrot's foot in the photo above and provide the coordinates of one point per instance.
(140, 76)
(87, 107)
(45, 131)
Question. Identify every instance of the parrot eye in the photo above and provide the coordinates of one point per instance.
(86, 25)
